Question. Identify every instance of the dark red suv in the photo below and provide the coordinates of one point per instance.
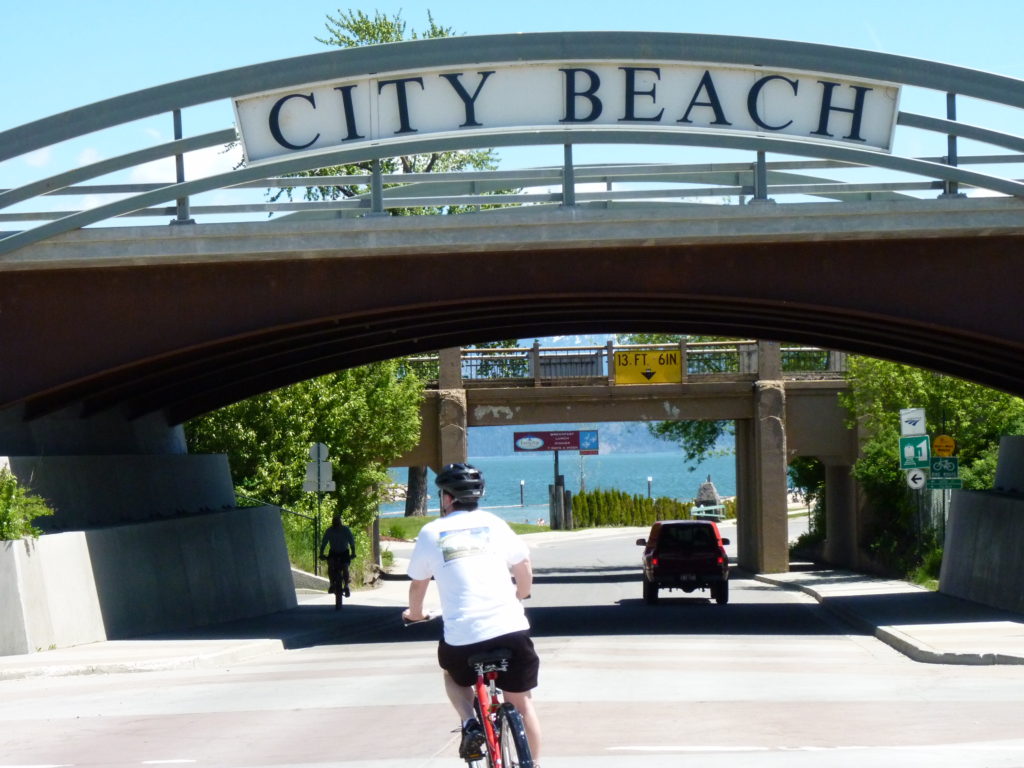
(686, 555)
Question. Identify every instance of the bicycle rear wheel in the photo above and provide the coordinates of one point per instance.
(515, 749)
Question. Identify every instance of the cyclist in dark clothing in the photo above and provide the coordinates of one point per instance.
(342, 552)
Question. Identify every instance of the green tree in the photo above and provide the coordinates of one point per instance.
(367, 416)
(352, 29)
(975, 416)
(18, 508)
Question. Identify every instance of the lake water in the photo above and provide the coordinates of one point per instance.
(534, 472)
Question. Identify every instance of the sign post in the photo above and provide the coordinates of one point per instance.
(319, 479)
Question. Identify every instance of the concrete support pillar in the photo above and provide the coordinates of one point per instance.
(747, 508)
(761, 471)
(452, 426)
(840, 516)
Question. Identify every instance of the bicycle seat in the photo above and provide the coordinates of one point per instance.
(493, 656)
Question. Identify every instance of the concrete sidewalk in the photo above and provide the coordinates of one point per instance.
(925, 626)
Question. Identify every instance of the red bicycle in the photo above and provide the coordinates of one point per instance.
(506, 743)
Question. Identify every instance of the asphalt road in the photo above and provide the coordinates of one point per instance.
(771, 679)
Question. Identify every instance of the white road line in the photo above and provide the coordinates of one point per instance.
(688, 748)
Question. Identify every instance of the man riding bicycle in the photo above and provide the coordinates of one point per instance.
(470, 553)
(342, 553)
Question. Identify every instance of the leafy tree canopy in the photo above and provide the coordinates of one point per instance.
(366, 416)
(975, 416)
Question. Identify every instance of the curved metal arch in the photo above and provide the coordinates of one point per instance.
(442, 52)
(602, 135)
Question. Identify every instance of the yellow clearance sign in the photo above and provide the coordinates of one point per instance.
(648, 366)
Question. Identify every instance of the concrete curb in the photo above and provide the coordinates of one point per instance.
(903, 642)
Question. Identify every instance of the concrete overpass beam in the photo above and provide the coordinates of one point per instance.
(67, 433)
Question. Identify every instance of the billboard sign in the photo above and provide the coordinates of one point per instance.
(584, 441)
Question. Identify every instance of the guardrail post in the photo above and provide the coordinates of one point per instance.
(951, 188)
(682, 360)
(609, 351)
(179, 173)
(535, 362)
(836, 360)
(769, 360)
(747, 354)
(449, 368)
(760, 180)
(376, 188)
(568, 180)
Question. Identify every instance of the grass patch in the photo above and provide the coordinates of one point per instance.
(409, 527)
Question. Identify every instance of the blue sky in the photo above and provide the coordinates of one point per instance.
(65, 53)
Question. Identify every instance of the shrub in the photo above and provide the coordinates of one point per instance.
(18, 508)
(595, 509)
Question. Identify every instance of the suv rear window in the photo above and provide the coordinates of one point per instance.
(677, 537)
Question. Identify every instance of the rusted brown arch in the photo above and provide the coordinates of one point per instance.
(202, 379)
(191, 337)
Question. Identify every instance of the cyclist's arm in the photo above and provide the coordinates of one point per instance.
(523, 573)
(417, 593)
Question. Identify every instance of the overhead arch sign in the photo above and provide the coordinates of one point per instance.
(656, 96)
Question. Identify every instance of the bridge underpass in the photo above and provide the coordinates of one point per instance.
(778, 417)
(112, 336)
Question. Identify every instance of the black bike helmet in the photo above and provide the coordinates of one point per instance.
(463, 481)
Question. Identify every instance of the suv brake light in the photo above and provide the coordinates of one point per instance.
(654, 561)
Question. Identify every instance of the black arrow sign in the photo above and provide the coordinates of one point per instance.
(648, 374)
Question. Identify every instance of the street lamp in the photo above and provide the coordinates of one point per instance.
(649, 481)
(522, 484)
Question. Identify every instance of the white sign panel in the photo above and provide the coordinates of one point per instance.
(916, 479)
(912, 422)
(648, 95)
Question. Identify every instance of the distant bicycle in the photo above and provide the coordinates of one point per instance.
(505, 744)
(338, 576)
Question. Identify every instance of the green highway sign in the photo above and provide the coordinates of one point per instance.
(945, 484)
(915, 452)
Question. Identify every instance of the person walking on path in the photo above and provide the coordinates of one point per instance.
(473, 554)
(342, 553)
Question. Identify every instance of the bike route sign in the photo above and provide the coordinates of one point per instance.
(945, 473)
(944, 467)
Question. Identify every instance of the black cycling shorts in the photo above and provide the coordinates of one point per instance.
(522, 668)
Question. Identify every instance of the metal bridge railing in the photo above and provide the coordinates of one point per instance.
(539, 364)
(97, 192)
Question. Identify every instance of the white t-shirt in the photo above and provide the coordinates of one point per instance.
(469, 554)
